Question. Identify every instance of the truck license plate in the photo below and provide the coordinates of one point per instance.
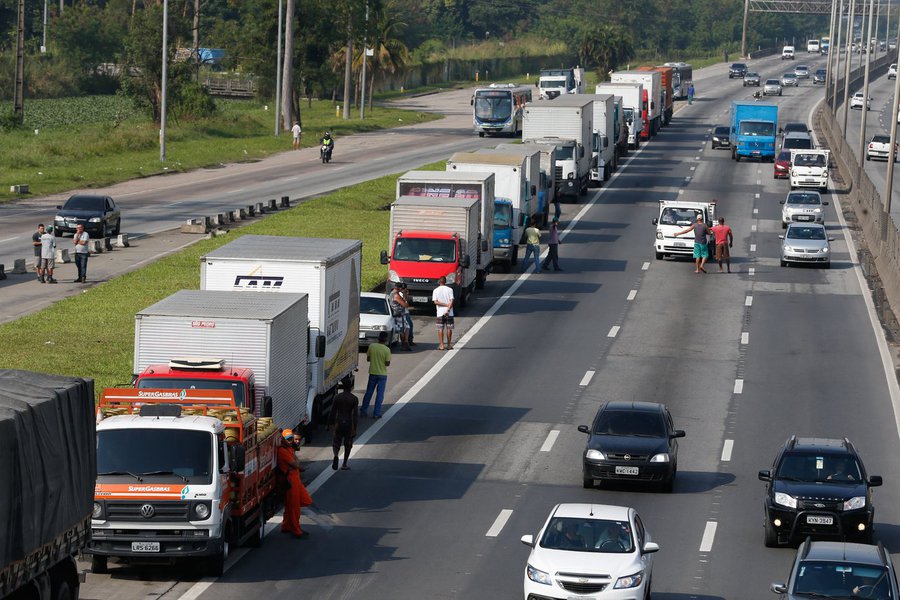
(680, 244)
(421, 298)
(626, 470)
(145, 546)
(814, 520)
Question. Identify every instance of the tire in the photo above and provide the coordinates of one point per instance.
(481, 134)
(868, 157)
(215, 565)
(668, 486)
(57, 232)
(783, 225)
(587, 482)
(257, 540)
(733, 154)
(104, 232)
(463, 297)
(783, 263)
(823, 190)
(659, 256)
(770, 537)
(514, 257)
(62, 589)
(737, 157)
(479, 282)
(99, 564)
(828, 266)
(118, 230)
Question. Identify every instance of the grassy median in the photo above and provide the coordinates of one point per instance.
(92, 335)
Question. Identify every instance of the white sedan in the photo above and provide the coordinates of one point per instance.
(590, 551)
(374, 317)
(857, 100)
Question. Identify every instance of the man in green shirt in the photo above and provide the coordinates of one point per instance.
(379, 357)
(532, 246)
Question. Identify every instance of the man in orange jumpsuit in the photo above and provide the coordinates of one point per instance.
(296, 495)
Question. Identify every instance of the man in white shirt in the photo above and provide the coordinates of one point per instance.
(48, 255)
(82, 252)
(296, 131)
(442, 296)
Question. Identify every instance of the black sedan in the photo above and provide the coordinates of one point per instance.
(631, 441)
(99, 215)
(720, 138)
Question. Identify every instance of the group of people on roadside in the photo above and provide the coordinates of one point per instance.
(44, 242)
(533, 246)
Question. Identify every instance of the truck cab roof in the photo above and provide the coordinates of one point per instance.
(167, 370)
(431, 235)
(187, 422)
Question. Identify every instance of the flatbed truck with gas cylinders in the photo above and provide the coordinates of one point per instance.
(47, 475)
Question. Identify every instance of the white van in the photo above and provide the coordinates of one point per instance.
(787, 53)
(812, 46)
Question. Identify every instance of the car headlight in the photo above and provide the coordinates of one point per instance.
(824, 250)
(201, 511)
(817, 210)
(854, 503)
(659, 235)
(629, 581)
(594, 455)
(94, 220)
(392, 276)
(660, 458)
(787, 500)
(451, 277)
(59, 218)
(97, 511)
(379, 328)
(538, 576)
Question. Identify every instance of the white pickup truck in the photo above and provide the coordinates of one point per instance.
(809, 168)
(674, 216)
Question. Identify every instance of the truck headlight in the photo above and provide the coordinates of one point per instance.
(451, 277)
(787, 500)
(392, 276)
(571, 175)
(538, 576)
(659, 235)
(97, 511)
(201, 511)
(854, 503)
(503, 241)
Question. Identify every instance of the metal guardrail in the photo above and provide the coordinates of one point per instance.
(233, 88)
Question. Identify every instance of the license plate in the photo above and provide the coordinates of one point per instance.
(626, 470)
(421, 298)
(145, 546)
(362, 335)
(680, 245)
(814, 520)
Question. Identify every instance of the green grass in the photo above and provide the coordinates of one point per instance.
(98, 141)
(101, 321)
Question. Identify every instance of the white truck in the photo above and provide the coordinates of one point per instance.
(557, 82)
(459, 184)
(533, 176)
(632, 95)
(809, 168)
(567, 121)
(510, 190)
(652, 82)
(548, 169)
(603, 143)
(250, 344)
(326, 270)
(674, 216)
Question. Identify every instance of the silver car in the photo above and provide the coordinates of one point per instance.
(801, 71)
(772, 88)
(802, 206)
(805, 243)
(789, 79)
(374, 317)
(751, 78)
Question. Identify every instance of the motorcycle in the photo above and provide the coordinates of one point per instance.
(325, 152)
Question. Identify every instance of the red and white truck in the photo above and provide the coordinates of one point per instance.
(653, 98)
(668, 92)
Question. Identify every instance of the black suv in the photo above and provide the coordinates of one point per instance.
(737, 70)
(839, 570)
(631, 441)
(818, 487)
(99, 215)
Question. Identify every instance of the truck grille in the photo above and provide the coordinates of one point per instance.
(162, 511)
(558, 172)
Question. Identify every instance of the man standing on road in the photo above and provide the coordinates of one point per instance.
(36, 242)
(343, 420)
(691, 93)
(532, 246)
(48, 255)
(379, 357)
(553, 245)
(82, 252)
(442, 296)
(724, 241)
(701, 247)
(296, 132)
(295, 496)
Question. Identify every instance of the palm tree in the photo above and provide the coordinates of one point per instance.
(606, 46)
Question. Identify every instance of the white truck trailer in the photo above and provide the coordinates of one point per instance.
(567, 121)
(326, 270)
(603, 142)
(548, 168)
(532, 173)
(652, 82)
(632, 107)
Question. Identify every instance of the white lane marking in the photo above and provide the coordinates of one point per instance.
(753, 227)
(709, 536)
(693, 168)
(757, 195)
(11, 239)
(687, 179)
(745, 337)
(751, 271)
(587, 378)
(632, 295)
(727, 447)
(752, 247)
(613, 332)
(758, 182)
(738, 386)
(758, 170)
(645, 266)
(748, 301)
(497, 527)
(696, 158)
(682, 191)
(755, 211)
(551, 439)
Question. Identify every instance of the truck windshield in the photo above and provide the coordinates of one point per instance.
(565, 152)
(553, 83)
(187, 454)
(493, 106)
(678, 216)
(761, 128)
(629, 115)
(809, 160)
(238, 388)
(425, 250)
(502, 216)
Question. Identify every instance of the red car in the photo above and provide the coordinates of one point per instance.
(782, 165)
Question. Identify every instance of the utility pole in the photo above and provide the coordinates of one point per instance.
(828, 71)
(365, 59)
(287, 67)
(348, 67)
(165, 63)
(836, 49)
(847, 66)
(44, 33)
(744, 31)
(278, 70)
(19, 91)
(865, 110)
(889, 179)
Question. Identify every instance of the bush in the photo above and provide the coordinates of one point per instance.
(194, 102)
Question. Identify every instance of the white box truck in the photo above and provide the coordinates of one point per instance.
(557, 82)
(533, 175)
(674, 216)
(570, 121)
(251, 344)
(432, 238)
(512, 195)
(548, 169)
(652, 82)
(632, 95)
(459, 184)
(603, 143)
(328, 271)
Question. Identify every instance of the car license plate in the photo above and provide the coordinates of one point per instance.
(804, 217)
(145, 546)
(421, 298)
(814, 520)
(626, 470)
(680, 244)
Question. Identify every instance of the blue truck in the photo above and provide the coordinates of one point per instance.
(754, 126)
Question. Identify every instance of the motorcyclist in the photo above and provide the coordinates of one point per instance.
(327, 143)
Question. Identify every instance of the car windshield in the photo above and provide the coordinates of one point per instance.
(842, 580)
(85, 203)
(800, 232)
(813, 468)
(739, 66)
(804, 198)
(772, 82)
(789, 76)
(628, 423)
(145, 452)
(424, 250)
(750, 74)
(588, 535)
(721, 131)
(821, 72)
(373, 306)
(809, 160)
(763, 128)
(678, 216)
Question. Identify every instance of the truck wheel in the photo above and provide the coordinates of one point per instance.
(256, 540)
(62, 589)
(215, 565)
(479, 281)
(99, 564)
(463, 297)
(514, 256)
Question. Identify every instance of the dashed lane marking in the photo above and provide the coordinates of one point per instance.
(613, 332)
(587, 378)
(632, 294)
(501, 520)
(551, 439)
(738, 386)
(727, 447)
(745, 337)
(748, 301)
(709, 536)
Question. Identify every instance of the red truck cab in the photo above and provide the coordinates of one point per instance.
(203, 375)
(420, 258)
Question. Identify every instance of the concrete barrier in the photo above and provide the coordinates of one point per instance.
(230, 216)
(2, 272)
(260, 209)
(95, 246)
(220, 219)
(241, 214)
(285, 202)
(200, 225)
(122, 239)
(251, 210)
(62, 255)
(273, 204)
(19, 267)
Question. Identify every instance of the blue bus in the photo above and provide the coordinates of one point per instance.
(498, 108)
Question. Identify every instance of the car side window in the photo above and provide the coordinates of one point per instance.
(110, 206)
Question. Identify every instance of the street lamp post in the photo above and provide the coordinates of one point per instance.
(365, 59)
(828, 71)
(44, 36)
(836, 49)
(889, 179)
(165, 62)
(865, 108)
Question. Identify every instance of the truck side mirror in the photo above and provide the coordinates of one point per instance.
(238, 456)
(384, 257)
(655, 221)
(465, 262)
(320, 346)
(521, 219)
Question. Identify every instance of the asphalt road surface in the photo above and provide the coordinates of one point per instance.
(482, 440)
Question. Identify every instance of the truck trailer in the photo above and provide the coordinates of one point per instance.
(633, 107)
(569, 120)
(653, 96)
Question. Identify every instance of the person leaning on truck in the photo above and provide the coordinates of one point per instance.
(295, 496)
(701, 247)
(532, 246)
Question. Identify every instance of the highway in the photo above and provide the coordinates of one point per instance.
(481, 442)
